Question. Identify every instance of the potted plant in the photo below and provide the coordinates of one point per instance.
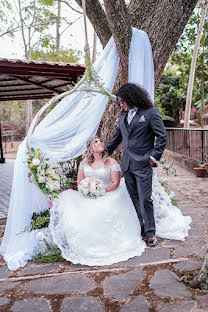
(200, 171)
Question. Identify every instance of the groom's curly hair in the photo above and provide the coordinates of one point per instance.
(134, 95)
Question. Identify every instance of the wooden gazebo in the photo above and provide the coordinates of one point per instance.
(27, 80)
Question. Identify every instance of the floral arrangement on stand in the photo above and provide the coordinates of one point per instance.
(91, 187)
(43, 174)
(51, 179)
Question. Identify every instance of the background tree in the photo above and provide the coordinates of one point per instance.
(193, 65)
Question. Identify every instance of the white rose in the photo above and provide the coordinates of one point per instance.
(35, 161)
(85, 184)
(41, 179)
(80, 188)
(40, 236)
(92, 189)
(97, 193)
(85, 191)
(42, 172)
(50, 185)
(102, 192)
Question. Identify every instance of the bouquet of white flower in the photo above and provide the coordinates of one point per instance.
(91, 187)
(43, 173)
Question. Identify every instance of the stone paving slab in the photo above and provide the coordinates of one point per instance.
(190, 265)
(40, 269)
(3, 301)
(6, 286)
(74, 283)
(149, 255)
(121, 286)
(6, 176)
(4, 272)
(167, 284)
(137, 305)
(32, 305)
(80, 304)
(185, 306)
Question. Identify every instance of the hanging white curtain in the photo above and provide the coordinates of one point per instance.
(63, 135)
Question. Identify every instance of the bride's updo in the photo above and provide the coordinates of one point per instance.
(89, 153)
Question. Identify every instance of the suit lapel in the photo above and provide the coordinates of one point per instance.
(123, 123)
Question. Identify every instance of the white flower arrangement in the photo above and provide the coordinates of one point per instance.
(91, 187)
(43, 173)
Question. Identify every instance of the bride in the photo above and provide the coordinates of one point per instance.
(105, 230)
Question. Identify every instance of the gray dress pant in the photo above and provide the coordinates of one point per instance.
(139, 186)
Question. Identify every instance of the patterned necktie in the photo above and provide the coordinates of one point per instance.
(131, 114)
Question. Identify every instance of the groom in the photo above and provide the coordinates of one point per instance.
(137, 129)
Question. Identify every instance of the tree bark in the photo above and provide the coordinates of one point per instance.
(118, 20)
(97, 17)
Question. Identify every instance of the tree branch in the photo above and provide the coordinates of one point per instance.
(119, 22)
(67, 3)
(98, 19)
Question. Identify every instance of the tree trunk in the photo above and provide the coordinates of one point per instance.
(163, 20)
(29, 116)
(193, 67)
(97, 17)
(58, 24)
(118, 20)
(202, 89)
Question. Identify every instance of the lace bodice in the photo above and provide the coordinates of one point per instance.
(102, 173)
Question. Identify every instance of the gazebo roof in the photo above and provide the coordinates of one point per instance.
(23, 80)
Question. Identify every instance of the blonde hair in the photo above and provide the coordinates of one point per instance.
(89, 153)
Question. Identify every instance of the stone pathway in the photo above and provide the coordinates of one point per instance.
(6, 176)
(149, 283)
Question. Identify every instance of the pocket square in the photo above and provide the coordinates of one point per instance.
(142, 119)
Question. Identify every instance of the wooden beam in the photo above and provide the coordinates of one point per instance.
(37, 66)
(13, 85)
(27, 97)
(36, 72)
(36, 84)
(53, 75)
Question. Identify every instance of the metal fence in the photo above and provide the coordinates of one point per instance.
(192, 143)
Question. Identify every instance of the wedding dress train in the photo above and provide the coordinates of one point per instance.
(106, 230)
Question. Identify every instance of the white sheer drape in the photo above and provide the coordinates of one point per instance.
(63, 135)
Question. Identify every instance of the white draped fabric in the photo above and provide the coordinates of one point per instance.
(62, 135)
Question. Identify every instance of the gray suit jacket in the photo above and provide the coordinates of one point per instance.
(139, 142)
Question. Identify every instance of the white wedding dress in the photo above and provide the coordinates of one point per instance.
(106, 230)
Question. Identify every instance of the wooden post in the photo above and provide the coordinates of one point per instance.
(2, 159)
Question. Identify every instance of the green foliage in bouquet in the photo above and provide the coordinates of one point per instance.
(40, 220)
